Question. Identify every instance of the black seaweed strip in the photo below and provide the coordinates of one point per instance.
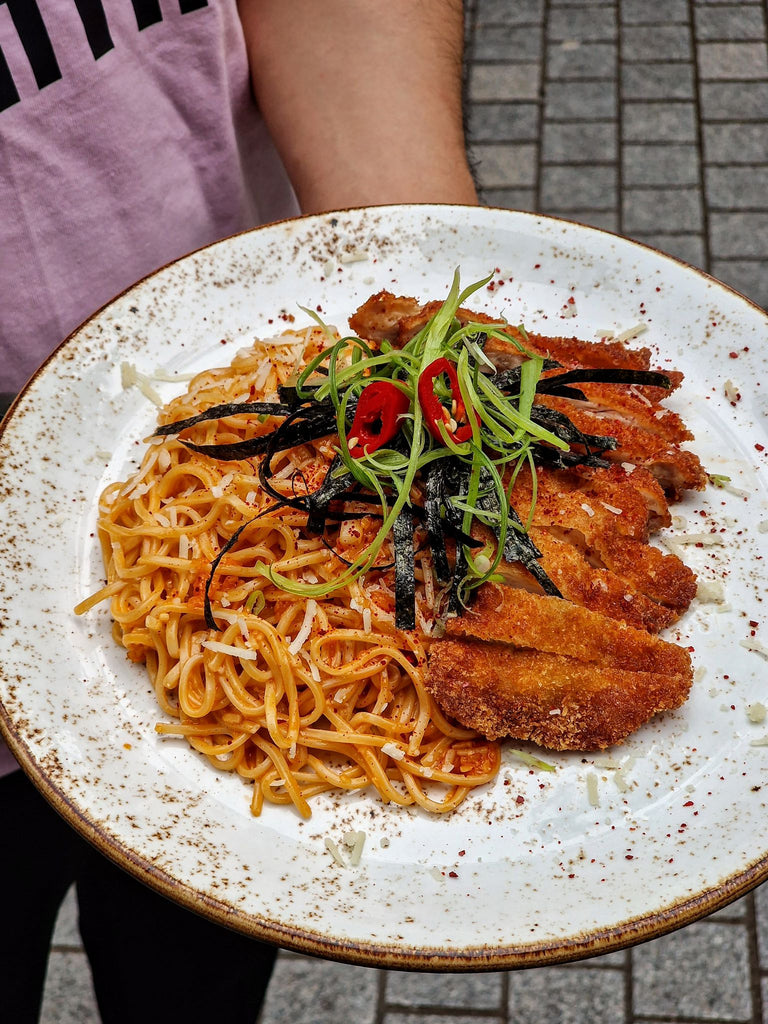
(555, 459)
(563, 428)
(218, 412)
(434, 497)
(605, 375)
(510, 378)
(332, 487)
(519, 547)
(565, 392)
(405, 579)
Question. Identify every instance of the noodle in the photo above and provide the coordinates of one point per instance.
(297, 695)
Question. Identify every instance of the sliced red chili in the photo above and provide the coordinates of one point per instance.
(454, 420)
(376, 420)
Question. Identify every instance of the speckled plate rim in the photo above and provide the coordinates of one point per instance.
(621, 936)
(600, 941)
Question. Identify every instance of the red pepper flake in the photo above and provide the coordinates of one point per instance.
(519, 800)
(462, 853)
(759, 447)
(453, 874)
(733, 355)
(628, 856)
(753, 624)
(688, 803)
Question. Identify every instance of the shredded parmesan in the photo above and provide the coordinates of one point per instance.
(393, 751)
(631, 332)
(592, 794)
(335, 852)
(755, 646)
(355, 842)
(756, 712)
(306, 628)
(130, 377)
(237, 652)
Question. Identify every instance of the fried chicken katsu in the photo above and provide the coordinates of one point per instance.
(584, 669)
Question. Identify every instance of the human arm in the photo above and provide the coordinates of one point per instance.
(362, 98)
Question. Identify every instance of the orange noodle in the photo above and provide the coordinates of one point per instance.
(298, 695)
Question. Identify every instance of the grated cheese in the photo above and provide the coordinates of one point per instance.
(306, 628)
(130, 377)
(393, 751)
(592, 794)
(237, 652)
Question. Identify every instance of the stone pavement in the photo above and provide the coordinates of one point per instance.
(647, 118)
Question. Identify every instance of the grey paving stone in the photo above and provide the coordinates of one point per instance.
(662, 81)
(761, 894)
(585, 187)
(606, 220)
(656, 42)
(579, 143)
(734, 235)
(662, 210)
(736, 911)
(521, 12)
(652, 12)
(510, 198)
(735, 143)
(305, 991)
(737, 187)
(505, 166)
(65, 932)
(503, 122)
(733, 60)
(660, 165)
(590, 24)
(508, 42)
(586, 60)
(701, 971)
(68, 997)
(444, 991)
(682, 245)
(580, 100)
(504, 82)
(729, 23)
(659, 122)
(734, 101)
(567, 995)
(437, 1018)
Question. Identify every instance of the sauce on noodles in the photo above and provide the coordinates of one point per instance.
(297, 695)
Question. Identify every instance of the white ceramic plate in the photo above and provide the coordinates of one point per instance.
(527, 871)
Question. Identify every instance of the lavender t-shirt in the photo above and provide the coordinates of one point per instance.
(128, 137)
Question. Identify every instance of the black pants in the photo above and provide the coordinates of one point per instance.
(151, 959)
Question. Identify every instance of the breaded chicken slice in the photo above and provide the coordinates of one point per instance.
(549, 699)
(539, 668)
(549, 624)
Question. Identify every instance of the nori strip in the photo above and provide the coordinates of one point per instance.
(605, 375)
(563, 428)
(217, 412)
(331, 489)
(518, 546)
(434, 486)
(405, 579)
(505, 380)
